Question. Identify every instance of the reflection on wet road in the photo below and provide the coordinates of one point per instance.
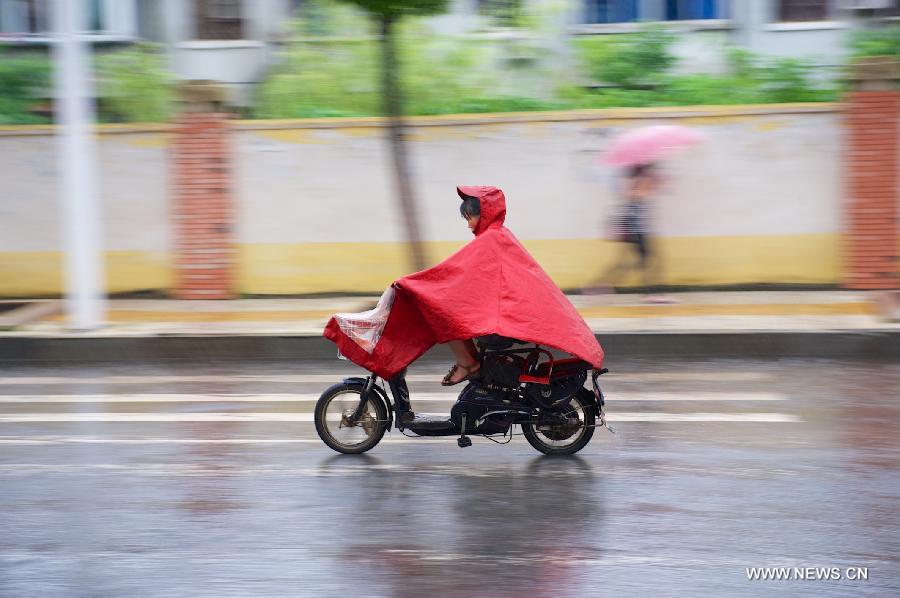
(209, 480)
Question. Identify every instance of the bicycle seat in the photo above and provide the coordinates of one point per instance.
(495, 342)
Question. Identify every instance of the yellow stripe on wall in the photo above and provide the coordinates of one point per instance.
(573, 263)
(859, 308)
(296, 268)
(30, 274)
(34, 274)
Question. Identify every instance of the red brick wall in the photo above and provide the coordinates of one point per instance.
(203, 207)
(872, 189)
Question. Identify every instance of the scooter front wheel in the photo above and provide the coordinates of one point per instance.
(335, 426)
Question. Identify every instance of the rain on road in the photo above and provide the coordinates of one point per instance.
(202, 479)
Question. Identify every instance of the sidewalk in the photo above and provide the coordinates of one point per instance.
(797, 322)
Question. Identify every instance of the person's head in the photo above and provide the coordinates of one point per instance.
(470, 209)
(643, 180)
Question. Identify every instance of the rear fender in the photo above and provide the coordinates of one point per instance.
(590, 401)
(595, 395)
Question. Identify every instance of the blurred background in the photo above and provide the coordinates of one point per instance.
(289, 188)
(189, 189)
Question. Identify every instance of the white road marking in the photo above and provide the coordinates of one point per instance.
(679, 376)
(658, 417)
(661, 417)
(44, 440)
(740, 397)
(176, 379)
(688, 397)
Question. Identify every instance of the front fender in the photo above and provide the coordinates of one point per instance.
(361, 381)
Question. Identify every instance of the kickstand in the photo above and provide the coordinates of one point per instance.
(463, 441)
(603, 422)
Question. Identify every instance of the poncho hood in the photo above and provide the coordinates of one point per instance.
(493, 206)
(491, 285)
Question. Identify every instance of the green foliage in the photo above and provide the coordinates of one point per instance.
(504, 13)
(882, 41)
(439, 75)
(327, 19)
(322, 78)
(339, 75)
(135, 85)
(332, 69)
(24, 84)
(789, 80)
(750, 81)
(396, 9)
(631, 60)
(639, 69)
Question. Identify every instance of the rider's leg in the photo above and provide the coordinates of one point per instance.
(465, 354)
(464, 351)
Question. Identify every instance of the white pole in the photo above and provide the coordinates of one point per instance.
(80, 209)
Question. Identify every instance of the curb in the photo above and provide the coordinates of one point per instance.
(856, 344)
(28, 311)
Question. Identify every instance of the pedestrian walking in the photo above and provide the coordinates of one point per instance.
(639, 152)
(632, 228)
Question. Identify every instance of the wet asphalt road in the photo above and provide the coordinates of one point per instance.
(717, 466)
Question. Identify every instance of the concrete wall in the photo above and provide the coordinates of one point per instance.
(134, 193)
(758, 202)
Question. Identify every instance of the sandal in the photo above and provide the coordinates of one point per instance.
(471, 370)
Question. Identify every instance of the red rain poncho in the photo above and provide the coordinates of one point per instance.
(490, 286)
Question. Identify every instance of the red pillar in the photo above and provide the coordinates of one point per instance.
(203, 196)
(871, 163)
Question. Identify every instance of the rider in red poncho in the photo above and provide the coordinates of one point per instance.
(492, 285)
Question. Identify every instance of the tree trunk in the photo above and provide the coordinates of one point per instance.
(393, 111)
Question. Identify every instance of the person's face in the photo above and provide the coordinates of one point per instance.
(472, 221)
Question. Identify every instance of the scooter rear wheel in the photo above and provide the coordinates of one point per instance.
(564, 439)
(334, 428)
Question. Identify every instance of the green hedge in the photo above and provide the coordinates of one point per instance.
(332, 69)
(25, 84)
(639, 66)
(441, 75)
(133, 85)
(880, 41)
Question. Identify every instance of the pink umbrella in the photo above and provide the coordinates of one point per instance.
(649, 144)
